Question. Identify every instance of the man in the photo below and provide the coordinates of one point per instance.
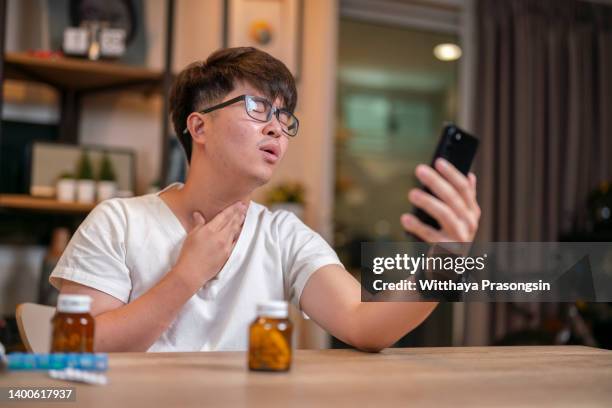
(184, 269)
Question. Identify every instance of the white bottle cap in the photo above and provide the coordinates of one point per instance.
(73, 303)
(276, 309)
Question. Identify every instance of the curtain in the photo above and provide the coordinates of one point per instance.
(544, 116)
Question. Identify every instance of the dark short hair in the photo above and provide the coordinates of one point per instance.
(204, 83)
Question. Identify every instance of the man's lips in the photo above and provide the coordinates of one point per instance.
(271, 151)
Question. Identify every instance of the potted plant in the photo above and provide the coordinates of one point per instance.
(65, 188)
(288, 196)
(86, 186)
(107, 181)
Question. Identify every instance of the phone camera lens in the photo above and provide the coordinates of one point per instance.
(458, 136)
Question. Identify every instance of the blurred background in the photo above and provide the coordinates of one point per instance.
(84, 96)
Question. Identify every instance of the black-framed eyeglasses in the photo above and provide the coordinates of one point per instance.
(261, 110)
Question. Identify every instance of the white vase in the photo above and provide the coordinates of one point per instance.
(295, 208)
(65, 189)
(106, 190)
(86, 191)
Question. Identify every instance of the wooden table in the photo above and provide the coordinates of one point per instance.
(463, 376)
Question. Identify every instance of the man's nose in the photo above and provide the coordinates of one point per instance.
(273, 127)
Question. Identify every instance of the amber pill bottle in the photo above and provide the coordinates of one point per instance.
(270, 338)
(73, 326)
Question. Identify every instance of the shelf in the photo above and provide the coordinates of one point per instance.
(78, 74)
(27, 202)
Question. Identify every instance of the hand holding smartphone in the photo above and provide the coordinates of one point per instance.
(459, 148)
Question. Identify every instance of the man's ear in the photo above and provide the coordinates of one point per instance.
(195, 124)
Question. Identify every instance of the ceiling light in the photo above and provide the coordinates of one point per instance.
(447, 52)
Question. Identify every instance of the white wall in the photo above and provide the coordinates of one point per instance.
(310, 158)
(311, 154)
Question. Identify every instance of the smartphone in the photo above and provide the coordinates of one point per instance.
(459, 148)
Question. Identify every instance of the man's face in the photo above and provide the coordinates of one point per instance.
(240, 147)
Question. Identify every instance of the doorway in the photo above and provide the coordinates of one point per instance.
(394, 96)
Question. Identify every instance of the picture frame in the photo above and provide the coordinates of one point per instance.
(273, 26)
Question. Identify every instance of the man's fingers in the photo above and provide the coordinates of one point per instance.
(413, 225)
(231, 231)
(235, 222)
(440, 211)
(225, 216)
(442, 189)
(236, 227)
(466, 186)
(198, 219)
(473, 180)
(459, 182)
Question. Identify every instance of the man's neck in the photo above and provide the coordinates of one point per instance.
(204, 193)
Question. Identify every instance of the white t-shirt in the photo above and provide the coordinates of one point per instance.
(125, 246)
